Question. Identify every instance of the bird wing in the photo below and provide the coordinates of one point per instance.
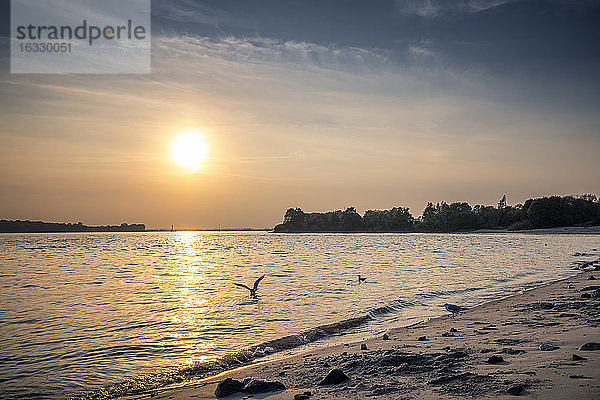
(258, 281)
(244, 286)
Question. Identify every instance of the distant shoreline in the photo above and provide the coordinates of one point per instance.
(19, 226)
(25, 226)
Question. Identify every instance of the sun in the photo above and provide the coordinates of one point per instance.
(190, 151)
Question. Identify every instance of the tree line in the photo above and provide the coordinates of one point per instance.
(544, 212)
(51, 227)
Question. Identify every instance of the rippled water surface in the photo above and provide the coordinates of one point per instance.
(80, 311)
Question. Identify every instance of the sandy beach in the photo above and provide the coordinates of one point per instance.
(491, 351)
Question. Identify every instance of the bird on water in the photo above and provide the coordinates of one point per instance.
(453, 308)
(254, 288)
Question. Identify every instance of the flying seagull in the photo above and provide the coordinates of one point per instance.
(361, 279)
(254, 289)
(454, 309)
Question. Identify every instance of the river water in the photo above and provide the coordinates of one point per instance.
(80, 310)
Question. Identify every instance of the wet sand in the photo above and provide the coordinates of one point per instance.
(452, 360)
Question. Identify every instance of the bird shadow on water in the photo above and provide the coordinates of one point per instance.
(250, 301)
(352, 282)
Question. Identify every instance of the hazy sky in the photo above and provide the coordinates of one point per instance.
(312, 104)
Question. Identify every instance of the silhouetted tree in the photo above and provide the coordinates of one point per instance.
(351, 220)
(502, 203)
(398, 219)
(545, 212)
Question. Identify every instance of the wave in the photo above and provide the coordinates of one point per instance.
(148, 382)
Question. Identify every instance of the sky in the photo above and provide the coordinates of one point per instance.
(320, 105)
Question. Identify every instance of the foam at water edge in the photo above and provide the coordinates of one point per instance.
(149, 382)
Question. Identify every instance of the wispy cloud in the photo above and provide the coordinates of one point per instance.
(183, 11)
(438, 8)
(264, 50)
(422, 54)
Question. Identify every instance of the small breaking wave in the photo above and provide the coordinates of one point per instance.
(148, 382)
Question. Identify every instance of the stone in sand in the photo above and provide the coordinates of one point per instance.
(578, 358)
(363, 347)
(590, 346)
(516, 390)
(590, 288)
(443, 379)
(227, 387)
(548, 347)
(303, 396)
(545, 306)
(580, 377)
(334, 377)
(257, 386)
(495, 359)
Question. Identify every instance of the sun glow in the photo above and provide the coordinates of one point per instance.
(190, 151)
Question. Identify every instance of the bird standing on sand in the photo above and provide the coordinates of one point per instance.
(253, 289)
(453, 308)
(361, 279)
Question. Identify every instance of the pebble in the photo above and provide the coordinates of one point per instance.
(495, 360)
(303, 396)
(422, 338)
(590, 346)
(386, 337)
(548, 347)
(254, 386)
(334, 377)
(578, 358)
(516, 390)
(580, 377)
(227, 387)
(363, 347)
(590, 288)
